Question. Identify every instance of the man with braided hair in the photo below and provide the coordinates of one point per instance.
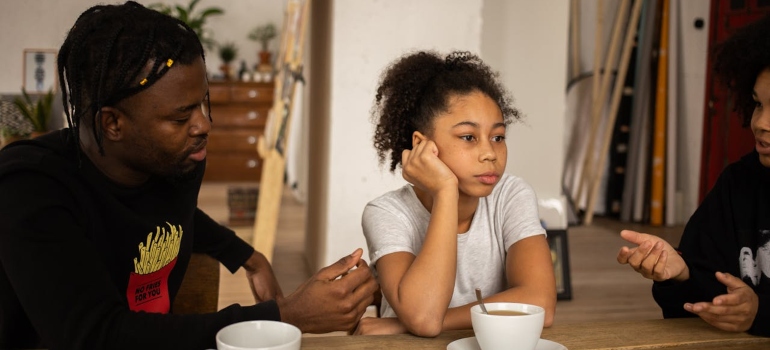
(100, 218)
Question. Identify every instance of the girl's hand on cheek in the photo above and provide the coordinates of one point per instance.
(423, 168)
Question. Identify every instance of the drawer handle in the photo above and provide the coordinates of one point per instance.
(252, 115)
(253, 93)
(252, 163)
(252, 140)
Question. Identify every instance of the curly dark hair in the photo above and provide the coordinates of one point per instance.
(102, 60)
(740, 59)
(416, 88)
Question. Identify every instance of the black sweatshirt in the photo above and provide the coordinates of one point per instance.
(88, 264)
(729, 232)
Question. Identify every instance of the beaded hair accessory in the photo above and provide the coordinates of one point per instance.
(169, 63)
(458, 57)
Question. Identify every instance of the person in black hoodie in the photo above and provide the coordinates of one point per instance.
(721, 269)
(99, 219)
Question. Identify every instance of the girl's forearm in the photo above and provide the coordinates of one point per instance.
(426, 288)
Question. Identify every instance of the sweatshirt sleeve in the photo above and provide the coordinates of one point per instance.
(219, 242)
(706, 247)
(761, 325)
(66, 291)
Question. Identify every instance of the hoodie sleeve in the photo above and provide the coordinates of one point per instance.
(219, 242)
(707, 247)
(724, 223)
(761, 325)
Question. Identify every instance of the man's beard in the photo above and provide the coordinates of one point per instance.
(179, 171)
(181, 178)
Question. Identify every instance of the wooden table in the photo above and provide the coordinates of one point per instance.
(687, 333)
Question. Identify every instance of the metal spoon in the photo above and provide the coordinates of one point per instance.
(481, 302)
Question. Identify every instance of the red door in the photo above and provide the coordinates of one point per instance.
(724, 139)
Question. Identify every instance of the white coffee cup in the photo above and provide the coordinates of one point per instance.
(519, 332)
(259, 335)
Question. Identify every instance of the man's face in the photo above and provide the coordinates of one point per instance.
(167, 124)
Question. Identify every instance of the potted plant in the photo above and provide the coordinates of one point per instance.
(263, 34)
(13, 125)
(227, 53)
(37, 111)
(195, 21)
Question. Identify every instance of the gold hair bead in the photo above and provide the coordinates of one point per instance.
(169, 63)
(144, 81)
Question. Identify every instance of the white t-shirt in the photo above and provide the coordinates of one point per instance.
(398, 222)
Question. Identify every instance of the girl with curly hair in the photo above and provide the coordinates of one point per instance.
(461, 223)
(721, 269)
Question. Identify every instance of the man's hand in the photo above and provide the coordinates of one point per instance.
(334, 299)
(653, 258)
(261, 278)
(734, 311)
(376, 326)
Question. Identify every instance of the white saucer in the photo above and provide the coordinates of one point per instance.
(471, 344)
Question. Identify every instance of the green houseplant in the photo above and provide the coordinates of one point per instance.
(227, 53)
(263, 34)
(196, 21)
(37, 111)
(13, 125)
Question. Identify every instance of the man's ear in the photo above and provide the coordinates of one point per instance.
(417, 138)
(111, 123)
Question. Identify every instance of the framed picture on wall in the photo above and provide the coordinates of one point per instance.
(557, 241)
(39, 67)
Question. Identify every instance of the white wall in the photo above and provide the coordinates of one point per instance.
(43, 24)
(366, 35)
(35, 24)
(693, 50)
(526, 41)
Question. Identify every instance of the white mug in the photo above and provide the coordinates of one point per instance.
(520, 332)
(259, 335)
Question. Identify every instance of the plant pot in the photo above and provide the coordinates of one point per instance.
(264, 61)
(226, 71)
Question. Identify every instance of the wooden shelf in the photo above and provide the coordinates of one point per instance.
(239, 111)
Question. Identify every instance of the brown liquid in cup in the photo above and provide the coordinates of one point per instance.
(507, 313)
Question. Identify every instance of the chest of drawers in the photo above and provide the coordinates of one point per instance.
(239, 111)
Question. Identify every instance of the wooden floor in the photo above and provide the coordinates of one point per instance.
(288, 261)
(602, 289)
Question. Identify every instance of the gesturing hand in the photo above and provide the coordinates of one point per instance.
(653, 258)
(334, 299)
(422, 167)
(734, 311)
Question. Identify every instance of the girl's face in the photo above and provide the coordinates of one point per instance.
(471, 142)
(760, 119)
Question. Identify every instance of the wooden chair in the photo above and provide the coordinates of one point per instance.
(199, 292)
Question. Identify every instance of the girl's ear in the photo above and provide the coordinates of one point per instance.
(417, 138)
